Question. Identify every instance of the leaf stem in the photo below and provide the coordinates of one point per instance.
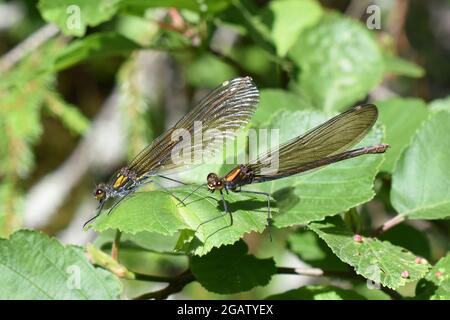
(390, 224)
(115, 246)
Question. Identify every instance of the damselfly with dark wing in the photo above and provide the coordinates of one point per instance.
(319, 147)
(224, 110)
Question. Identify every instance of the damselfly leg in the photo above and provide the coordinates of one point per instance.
(226, 212)
(269, 215)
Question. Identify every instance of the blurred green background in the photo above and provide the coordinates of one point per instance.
(77, 102)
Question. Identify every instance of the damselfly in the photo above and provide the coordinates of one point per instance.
(226, 109)
(323, 145)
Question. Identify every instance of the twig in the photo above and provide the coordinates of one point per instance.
(27, 46)
(389, 224)
(115, 246)
(314, 272)
(152, 278)
(176, 285)
(391, 293)
(229, 60)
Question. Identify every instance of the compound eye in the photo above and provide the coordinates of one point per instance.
(99, 194)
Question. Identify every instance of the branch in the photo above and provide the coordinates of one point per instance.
(152, 278)
(175, 285)
(314, 272)
(27, 46)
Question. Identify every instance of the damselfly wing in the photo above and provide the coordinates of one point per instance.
(224, 110)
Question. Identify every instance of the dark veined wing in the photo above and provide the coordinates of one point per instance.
(330, 138)
(225, 109)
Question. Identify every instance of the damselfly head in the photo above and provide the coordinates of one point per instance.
(100, 192)
(214, 182)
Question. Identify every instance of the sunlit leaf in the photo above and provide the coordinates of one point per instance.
(276, 100)
(378, 261)
(420, 181)
(314, 251)
(324, 192)
(436, 285)
(401, 118)
(74, 16)
(340, 62)
(159, 212)
(290, 17)
(34, 266)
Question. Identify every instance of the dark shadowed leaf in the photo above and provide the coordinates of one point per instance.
(230, 269)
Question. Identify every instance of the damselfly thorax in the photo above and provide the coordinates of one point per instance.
(237, 177)
(122, 182)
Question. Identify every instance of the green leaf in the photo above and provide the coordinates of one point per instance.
(420, 181)
(276, 100)
(314, 251)
(290, 18)
(376, 260)
(99, 258)
(324, 192)
(35, 266)
(440, 105)
(74, 16)
(340, 62)
(369, 292)
(207, 71)
(142, 241)
(318, 292)
(402, 67)
(230, 269)
(93, 46)
(160, 212)
(401, 117)
(153, 211)
(436, 285)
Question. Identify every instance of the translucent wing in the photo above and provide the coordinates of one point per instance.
(226, 109)
(330, 138)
